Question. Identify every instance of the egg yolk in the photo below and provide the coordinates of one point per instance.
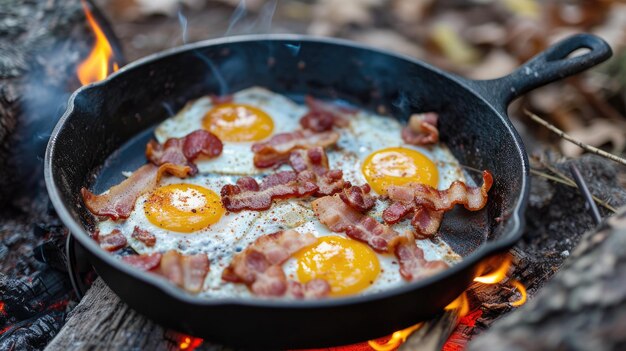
(398, 166)
(183, 207)
(347, 265)
(238, 122)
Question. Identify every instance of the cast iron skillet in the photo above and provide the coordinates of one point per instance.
(107, 125)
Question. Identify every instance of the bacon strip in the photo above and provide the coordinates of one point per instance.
(188, 272)
(183, 151)
(329, 181)
(144, 262)
(427, 204)
(112, 241)
(322, 115)
(358, 197)
(413, 265)
(425, 221)
(311, 176)
(144, 236)
(259, 266)
(221, 99)
(276, 150)
(119, 201)
(340, 217)
(421, 129)
(472, 198)
(247, 194)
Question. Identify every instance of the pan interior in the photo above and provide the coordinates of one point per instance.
(462, 230)
(110, 124)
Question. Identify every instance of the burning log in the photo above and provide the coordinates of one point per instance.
(42, 44)
(583, 305)
(556, 220)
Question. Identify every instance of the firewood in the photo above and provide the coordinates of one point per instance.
(581, 308)
(41, 44)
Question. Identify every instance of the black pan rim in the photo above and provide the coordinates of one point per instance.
(516, 217)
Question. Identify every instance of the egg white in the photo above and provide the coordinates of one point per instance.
(367, 133)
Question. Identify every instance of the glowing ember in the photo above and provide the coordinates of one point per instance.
(498, 275)
(189, 343)
(396, 340)
(522, 290)
(2, 311)
(97, 66)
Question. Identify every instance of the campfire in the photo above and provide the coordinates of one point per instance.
(41, 284)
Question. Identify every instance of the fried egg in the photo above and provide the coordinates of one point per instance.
(186, 215)
(253, 114)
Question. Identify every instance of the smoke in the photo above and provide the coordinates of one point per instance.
(238, 14)
(183, 25)
(240, 24)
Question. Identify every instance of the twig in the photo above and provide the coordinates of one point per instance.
(569, 138)
(584, 189)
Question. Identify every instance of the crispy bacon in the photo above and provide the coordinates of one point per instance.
(119, 201)
(413, 265)
(322, 115)
(145, 262)
(144, 236)
(358, 197)
(183, 151)
(313, 159)
(221, 99)
(421, 129)
(247, 194)
(426, 221)
(427, 204)
(311, 176)
(112, 241)
(188, 272)
(472, 198)
(276, 150)
(339, 217)
(259, 266)
(329, 181)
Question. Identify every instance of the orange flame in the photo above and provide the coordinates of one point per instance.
(189, 343)
(396, 340)
(461, 304)
(522, 291)
(96, 66)
(498, 275)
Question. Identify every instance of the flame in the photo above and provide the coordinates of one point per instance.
(498, 275)
(522, 291)
(397, 338)
(2, 311)
(96, 66)
(189, 343)
(461, 304)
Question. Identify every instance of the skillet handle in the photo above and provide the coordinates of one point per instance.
(548, 66)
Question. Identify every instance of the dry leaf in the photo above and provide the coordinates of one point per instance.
(496, 64)
(330, 16)
(453, 47)
(390, 40)
(524, 8)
